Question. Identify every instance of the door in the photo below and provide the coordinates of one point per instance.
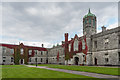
(76, 60)
(21, 61)
(95, 61)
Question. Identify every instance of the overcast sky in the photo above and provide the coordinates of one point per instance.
(34, 23)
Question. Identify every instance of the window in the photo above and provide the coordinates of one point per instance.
(83, 58)
(36, 59)
(41, 59)
(12, 51)
(29, 59)
(106, 59)
(30, 52)
(69, 47)
(94, 22)
(119, 56)
(4, 57)
(35, 52)
(41, 52)
(106, 41)
(3, 60)
(12, 59)
(76, 45)
(95, 42)
(21, 51)
(83, 44)
(4, 50)
(89, 20)
(106, 54)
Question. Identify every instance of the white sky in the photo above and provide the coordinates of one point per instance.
(34, 23)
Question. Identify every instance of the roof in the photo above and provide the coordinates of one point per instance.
(11, 46)
(89, 14)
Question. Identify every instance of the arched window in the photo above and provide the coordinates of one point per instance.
(21, 51)
(69, 47)
(94, 22)
(89, 20)
(83, 44)
(75, 45)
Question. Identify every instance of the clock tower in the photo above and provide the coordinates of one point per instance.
(89, 24)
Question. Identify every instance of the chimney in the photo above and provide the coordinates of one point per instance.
(63, 42)
(103, 28)
(42, 45)
(66, 37)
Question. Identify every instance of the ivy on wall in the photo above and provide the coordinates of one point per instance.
(26, 56)
(67, 56)
(17, 56)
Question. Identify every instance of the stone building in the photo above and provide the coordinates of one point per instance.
(92, 48)
(102, 48)
(22, 54)
(56, 55)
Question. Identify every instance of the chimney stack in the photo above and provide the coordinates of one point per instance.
(103, 28)
(66, 37)
(42, 45)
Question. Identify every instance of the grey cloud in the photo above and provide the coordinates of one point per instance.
(49, 25)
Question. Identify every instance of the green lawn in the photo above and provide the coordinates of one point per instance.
(102, 70)
(23, 72)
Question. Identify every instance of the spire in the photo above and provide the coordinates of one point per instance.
(89, 11)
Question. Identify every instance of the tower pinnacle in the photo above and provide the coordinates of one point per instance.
(89, 11)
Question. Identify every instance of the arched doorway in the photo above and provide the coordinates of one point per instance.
(76, 60)
(21, 61)
(95, 61)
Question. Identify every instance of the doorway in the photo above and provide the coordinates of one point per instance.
(76, 60)
(21, 61)
(95, 61)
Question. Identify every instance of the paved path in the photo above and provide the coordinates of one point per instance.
(78, 72)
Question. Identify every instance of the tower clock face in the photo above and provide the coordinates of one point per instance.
(83, 44)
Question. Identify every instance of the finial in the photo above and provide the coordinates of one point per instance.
(89, 11)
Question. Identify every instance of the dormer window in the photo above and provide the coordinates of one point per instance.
(21, 51)
(75, 45)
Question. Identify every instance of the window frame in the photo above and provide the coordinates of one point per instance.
(21, 51)
(76, 45)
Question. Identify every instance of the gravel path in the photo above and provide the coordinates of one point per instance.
(112, 77)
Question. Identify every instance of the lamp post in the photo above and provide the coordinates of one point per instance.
(36, 58)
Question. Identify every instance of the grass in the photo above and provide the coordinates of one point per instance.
(23, 72)
(102, 70)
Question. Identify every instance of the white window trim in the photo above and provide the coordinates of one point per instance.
(75, 45)
(21, 51)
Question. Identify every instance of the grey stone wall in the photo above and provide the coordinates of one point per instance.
(7, 55)
(112, 56)
(41, 58)
(52, 55)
